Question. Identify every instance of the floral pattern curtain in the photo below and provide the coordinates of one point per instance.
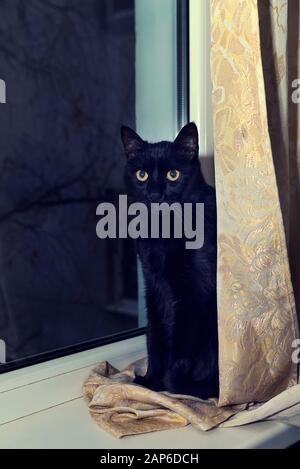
(257, 315)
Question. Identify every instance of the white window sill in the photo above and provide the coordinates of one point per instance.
(41, 407)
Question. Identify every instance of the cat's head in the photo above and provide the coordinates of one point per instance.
(164, 171)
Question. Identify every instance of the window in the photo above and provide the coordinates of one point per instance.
(73, 75)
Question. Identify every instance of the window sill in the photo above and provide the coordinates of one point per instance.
(41, 407)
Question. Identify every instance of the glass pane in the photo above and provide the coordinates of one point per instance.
(74, 72)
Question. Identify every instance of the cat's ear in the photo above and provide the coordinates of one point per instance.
(187, 141)
(131, 140)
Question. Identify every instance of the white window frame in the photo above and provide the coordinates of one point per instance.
(201, 85)
(200, 77)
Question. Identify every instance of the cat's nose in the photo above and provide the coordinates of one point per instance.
(156, 197)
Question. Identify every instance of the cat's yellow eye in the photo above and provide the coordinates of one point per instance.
(173, 175)
(142, 175)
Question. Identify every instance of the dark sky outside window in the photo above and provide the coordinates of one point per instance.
(69, 68)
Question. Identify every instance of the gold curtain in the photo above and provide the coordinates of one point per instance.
(252, 66)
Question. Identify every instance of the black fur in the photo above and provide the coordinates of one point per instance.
(180, 283)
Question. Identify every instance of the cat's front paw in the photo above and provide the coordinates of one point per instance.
(141, 380)
(148, 382)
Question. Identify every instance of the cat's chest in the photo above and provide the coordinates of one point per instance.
(155, 256)
(166, 263)
(171, 266)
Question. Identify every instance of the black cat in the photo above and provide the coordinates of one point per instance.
(182, 337)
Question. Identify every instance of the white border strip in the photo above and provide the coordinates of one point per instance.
(200, 78)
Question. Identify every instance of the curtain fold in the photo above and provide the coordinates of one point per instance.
(256, 307)
(279, 31)
(293, 64)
